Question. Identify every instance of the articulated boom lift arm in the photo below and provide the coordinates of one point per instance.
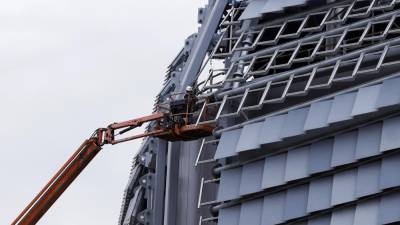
(164, 128)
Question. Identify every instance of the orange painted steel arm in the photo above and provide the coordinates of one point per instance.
(59, 183)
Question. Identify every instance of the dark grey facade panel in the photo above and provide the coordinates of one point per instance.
(274, 171)
(318, 115)
(368, 141)
(251, 178)
(296, 202)
(297, 163)
(320, 156)
(343, 187)
(294, 123)
(271, 129)
(319, 196)
(390, 172)
(230, 184)
(248, 139)
(344, 148)
(342, 107)
(366, 100)
(390, 134)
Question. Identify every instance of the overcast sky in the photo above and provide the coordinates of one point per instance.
(68, 67)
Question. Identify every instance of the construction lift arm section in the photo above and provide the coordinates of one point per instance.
(172, 127)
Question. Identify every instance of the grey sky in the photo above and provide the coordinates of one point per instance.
(66, 68)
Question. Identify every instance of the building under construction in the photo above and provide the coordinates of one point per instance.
(274, 112)
(305, 97)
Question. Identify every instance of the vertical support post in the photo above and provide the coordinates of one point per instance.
(160, 175)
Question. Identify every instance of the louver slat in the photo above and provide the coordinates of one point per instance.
(229, 216)
(294, 124)
(273, 208)
(390, 172)
(318, 115)
(344, 148)
(343, 187)
(296, 202)
(249, 137)
(271, 129)
(229, 184)
(390, 93)
(252, 174)
(368, 141)
(297, 164)
(250, 213)
(390, 134)
(367, 213)
(389, 210)
(366, 100)
(319, 196)
(320, 156)
(343, 216)
(341, 107)
(274, 171)
(368, 176)
(323, 220)
(227, 144)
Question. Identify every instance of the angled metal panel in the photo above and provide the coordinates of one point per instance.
(318, 115)
(297, 163)
(229, 184)
(273, 208)
(249, 137)
(294, 123)
(342, 107)
(271, 129)
(367, 213)
(319, 196)
(366, 100)
(320, 156)
(274, 171)
(389, 210)
(368, 177)
(253, 10)
(390, 134)
(296, 202)
(390, 172)
(273, 6)
(344, 147)
(390, 93)
(343, 216)
(227, 144)
(252, 174)
(343, 187)
(250, 213)
(229, 216)
(368, 141)
(321, 220)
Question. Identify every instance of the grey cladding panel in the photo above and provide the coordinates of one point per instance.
(297, 163)
(273, 6)
(274, 171)
(250, 213)
(296, 202)
(343, 188)
(344, 148)
(390, 172)
(249, 137)
(227, 144)
(342, 107)
(343, 216)
(229, 184)
(366, 100)
(273, 208)
(319, 196)
(368, 141)
(390, 93)
(252, 174)
(390, 134)
(367, 213)
(271, 129)
(318, 115)
(320, 156)
(389, 210)
(229, 216)
(322, 220)
(294, 124)
(368, 179)
(253, 10)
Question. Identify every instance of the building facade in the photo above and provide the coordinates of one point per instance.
(305, 97)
